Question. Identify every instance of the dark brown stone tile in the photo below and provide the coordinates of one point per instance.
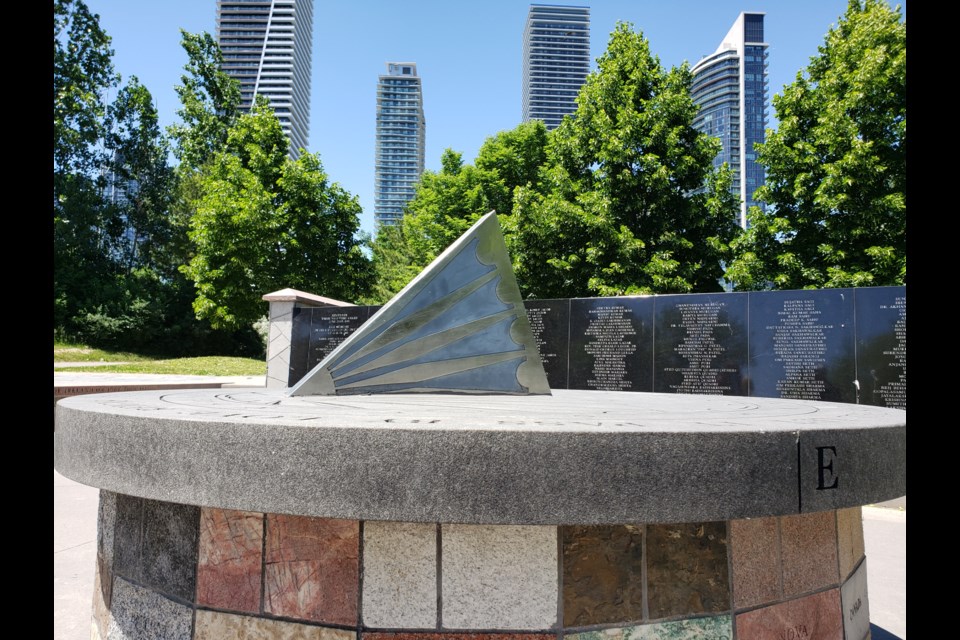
(312, 569)
(602, 574)
(816, 617)
(687, 569)
(808, 552)
(230, 560)
(755, 562)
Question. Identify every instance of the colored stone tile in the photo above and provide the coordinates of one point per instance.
(815, 617)
(755, 562)
(687, 569)
(458, 636)
(711, 628)
(855, 605)
(312, 568)
(499, 577)
(849, 539)
(399, 575)
(126, 536)
(106, 523)
(602, 574)
(216, 625)
(230, 560)
(169, 548)
(141, 614)
(808, 552)
(100, 620)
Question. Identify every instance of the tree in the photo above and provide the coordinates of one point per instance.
(82, 74)
(84, 230)
(138, 166)
(448, 202)
(210, 101)
(629, 201)
(265, 222)
(836, 166)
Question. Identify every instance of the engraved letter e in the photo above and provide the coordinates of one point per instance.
(823, 468)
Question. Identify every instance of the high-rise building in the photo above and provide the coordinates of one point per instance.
(401, 140)
(730, 86)
(556, 61)
(267, 46)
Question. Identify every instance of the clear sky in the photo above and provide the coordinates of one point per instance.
(468, 54)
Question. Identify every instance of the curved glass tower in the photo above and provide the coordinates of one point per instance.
(267, 46)
(730, 86)
(401, 141)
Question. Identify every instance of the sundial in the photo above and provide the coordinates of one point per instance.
(458, 327)
(429, 448)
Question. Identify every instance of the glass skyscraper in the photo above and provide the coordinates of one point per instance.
(267, 46)
(556, 61)
(730, 86)
(401, 140)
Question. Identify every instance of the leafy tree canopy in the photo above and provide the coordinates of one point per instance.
(621, 208)
(265, 222)
(138, 165)
(448, 202)
(209, 98)
(836, 166)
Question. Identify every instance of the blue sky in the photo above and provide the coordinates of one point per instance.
(468, 54)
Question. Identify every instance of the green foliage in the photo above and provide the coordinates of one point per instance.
(836, 167)
(138, 157)
(616, 212)
(82, 73)
(620, 199)
(196, 366)
(210, 102)
(448, 202)
(116, 282)
(264, 222)
(393, 264)
(85, 230)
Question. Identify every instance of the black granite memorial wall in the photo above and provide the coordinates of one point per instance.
(840, 345)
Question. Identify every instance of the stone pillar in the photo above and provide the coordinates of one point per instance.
(282, 304)
(172, 571)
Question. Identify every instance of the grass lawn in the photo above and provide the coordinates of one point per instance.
(136, 363)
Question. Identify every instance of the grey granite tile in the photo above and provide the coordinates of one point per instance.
(141, 614)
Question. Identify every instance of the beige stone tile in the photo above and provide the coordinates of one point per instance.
(399, 575)
(808, 552)
(849, 539)
(499, 577)
(216, 625)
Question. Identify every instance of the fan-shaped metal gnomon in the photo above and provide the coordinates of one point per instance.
(458, 327)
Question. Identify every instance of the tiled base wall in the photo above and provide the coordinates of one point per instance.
(176, 572)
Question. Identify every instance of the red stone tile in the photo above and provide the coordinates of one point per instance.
(312, 569)
(755, 562)
(230, 560)
(809, 552)
(816, 617)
